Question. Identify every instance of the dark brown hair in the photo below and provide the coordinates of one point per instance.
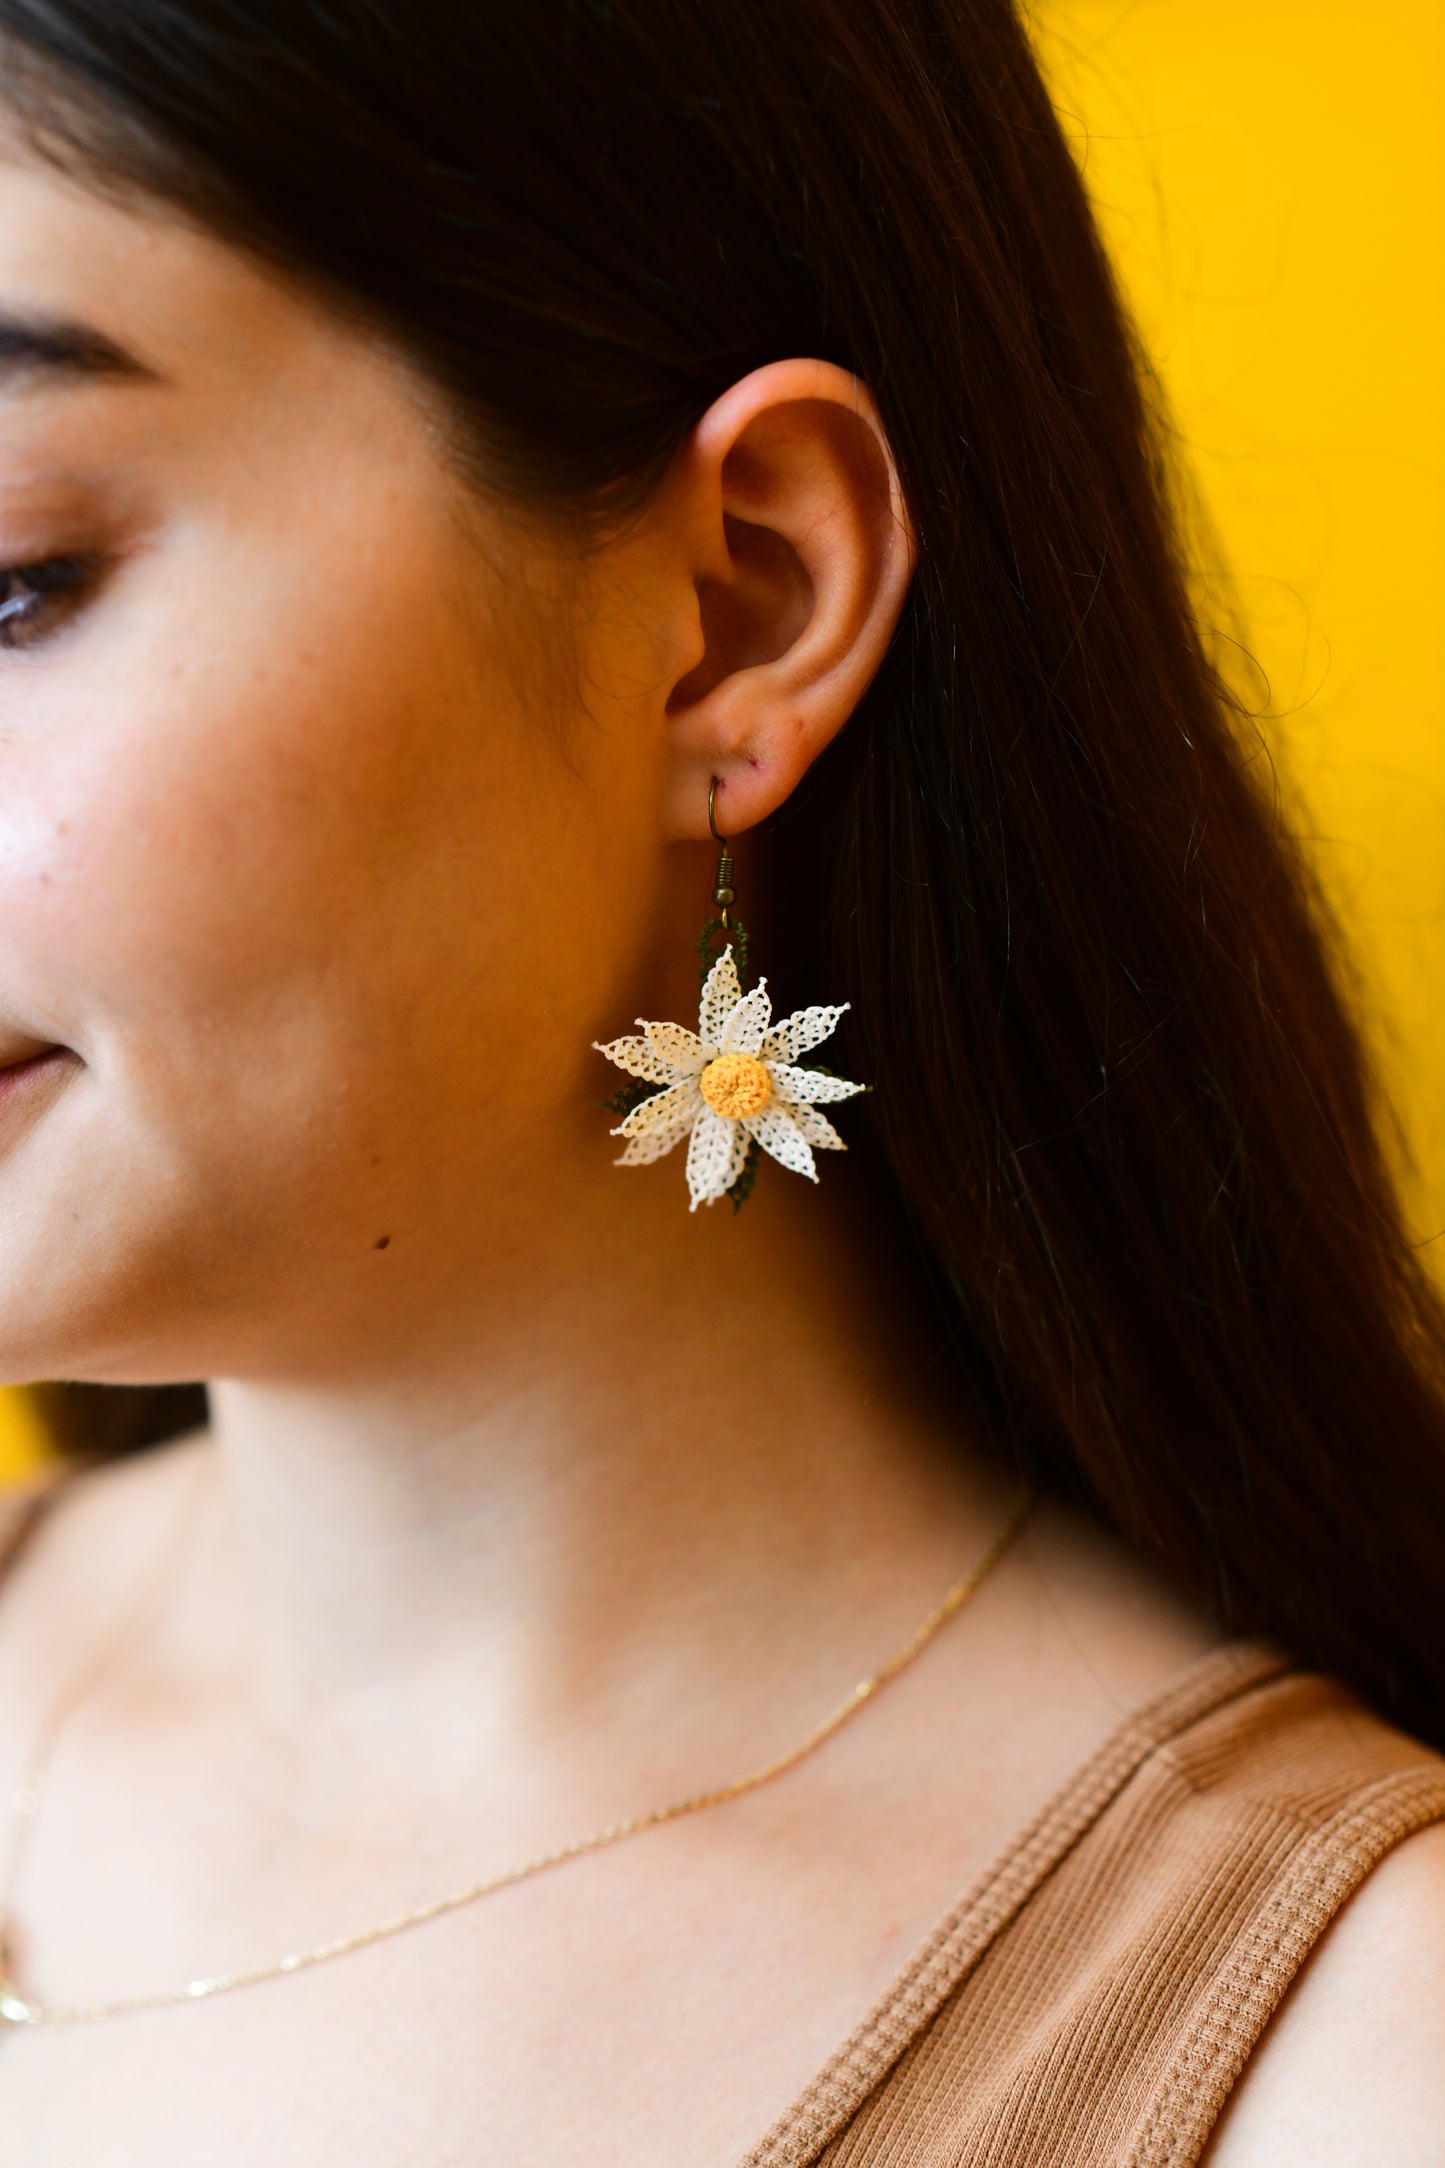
(1119, 1096)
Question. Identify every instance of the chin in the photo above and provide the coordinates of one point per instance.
(76, 1303)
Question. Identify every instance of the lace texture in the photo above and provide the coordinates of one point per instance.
(788, 1126)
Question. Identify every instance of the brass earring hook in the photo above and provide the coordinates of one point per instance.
(724, 895)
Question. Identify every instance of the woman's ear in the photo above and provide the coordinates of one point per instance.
(802, 551)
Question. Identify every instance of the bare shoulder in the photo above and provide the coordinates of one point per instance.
(86, 1550)
(100, 1509)
(1351, 2070)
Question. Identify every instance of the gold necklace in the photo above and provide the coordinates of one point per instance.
(18, 2009)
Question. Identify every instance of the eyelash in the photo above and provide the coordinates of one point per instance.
(29, 595)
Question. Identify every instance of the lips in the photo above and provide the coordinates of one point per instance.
(16, 1076)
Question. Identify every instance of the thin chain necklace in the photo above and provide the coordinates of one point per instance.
(18, 2009)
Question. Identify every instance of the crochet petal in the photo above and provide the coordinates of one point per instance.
(720, 996)
(816, 1129)
(654, 1144)
(807, 1087)
(714, 1157)
(779, 1134)
(677, 1104)
(682, 1049)
(803, 1029)
(639, 1058)
(748, 1022)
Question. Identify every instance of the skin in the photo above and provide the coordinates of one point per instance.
(338, 817)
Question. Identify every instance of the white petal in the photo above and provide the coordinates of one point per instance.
(807, 1086)
(779, 1134)
(795, 1034)
(816, 1129)
(654, 1144)
(714, 1157)
(639, 1058)
(678, 1104)
(681, 1048)
(743, 1032)
(720, 996)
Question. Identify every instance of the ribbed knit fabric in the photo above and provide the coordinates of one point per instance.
(1092, 2001)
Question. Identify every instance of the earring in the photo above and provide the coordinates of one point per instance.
(736, 1086)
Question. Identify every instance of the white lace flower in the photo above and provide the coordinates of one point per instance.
(732, 1082)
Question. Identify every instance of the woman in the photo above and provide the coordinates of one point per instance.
(453, 463)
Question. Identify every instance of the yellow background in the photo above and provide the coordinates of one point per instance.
(21, 1443)
(1271, 176)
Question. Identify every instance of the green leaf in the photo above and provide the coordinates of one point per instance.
(742, 1188)
(710, 947)
(629, 1096)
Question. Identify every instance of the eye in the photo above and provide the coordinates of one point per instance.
(35, 598)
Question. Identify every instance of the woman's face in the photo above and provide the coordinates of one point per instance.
(307, 863)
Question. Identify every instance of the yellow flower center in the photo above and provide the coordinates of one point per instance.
(736, 1085)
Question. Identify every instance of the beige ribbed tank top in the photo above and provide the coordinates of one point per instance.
(1094, 1998)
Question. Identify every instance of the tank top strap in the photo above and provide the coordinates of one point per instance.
(1096, 1996)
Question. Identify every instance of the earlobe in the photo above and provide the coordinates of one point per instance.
(803, 555)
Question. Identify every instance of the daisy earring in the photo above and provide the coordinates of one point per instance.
(737, 1086)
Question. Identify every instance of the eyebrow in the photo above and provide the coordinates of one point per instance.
(59, 348)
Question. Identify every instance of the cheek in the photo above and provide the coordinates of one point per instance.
(191, 850)
(274, 884)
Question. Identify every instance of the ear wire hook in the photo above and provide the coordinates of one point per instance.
(724, 895)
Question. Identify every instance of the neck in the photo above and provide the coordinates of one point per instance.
(730, 1448)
